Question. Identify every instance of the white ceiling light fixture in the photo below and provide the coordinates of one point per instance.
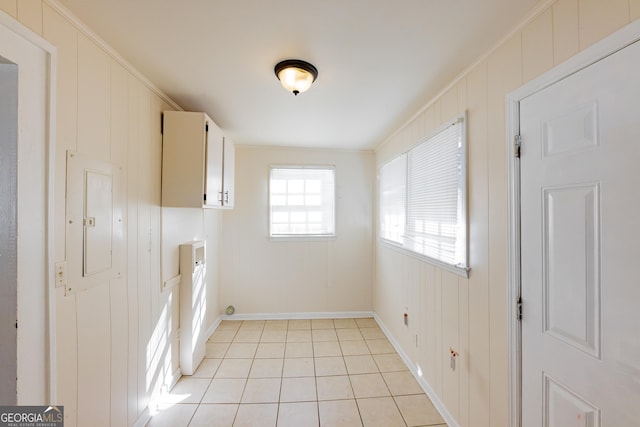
(295, 75)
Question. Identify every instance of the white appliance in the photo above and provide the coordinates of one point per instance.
(193, 305)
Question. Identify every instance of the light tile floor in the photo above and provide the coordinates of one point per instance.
(298, 373)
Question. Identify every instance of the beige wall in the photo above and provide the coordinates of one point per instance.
(116, 342)
(470, 315)
(264, 276)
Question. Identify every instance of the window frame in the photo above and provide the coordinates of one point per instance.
(301, 236)
(462, 206)
(400, 162)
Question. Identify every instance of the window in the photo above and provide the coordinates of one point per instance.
(393, 195)
(423, 197)
(301, 201)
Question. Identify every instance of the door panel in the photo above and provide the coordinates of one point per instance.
(571, 259)
(574, 130)
(564, 408)
(580, 229)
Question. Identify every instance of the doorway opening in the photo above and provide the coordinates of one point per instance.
(27, 124)
(8, 230)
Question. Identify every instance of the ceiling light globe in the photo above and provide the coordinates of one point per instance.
(296, 76)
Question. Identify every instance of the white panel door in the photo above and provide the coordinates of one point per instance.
(580, 204)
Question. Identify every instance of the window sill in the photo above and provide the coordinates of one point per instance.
(459, 271)
(302, 238)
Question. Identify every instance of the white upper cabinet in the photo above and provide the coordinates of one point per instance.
(213, 165)
(197, 162)
(228, 173)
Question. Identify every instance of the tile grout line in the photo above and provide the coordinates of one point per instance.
(314, 342)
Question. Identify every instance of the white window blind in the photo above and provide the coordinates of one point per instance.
(434, 213)
(436, 225)
(393, 196)
(302, 201)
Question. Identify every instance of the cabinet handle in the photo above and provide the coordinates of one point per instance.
(220, 198)
(226, 197)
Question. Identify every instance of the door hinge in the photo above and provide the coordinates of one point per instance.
(519, 308)
(161, 123)
(206, 127)
(517, 143)
(205, 198)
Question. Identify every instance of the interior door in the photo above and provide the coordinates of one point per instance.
(580, 204)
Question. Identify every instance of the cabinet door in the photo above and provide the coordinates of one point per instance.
(184, 159)
(229, 170)
(213, 165)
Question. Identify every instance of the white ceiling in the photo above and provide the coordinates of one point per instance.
(379, 61)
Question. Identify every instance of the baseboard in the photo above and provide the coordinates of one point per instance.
(439, 405)
(175, 376)
(211, 329)
(143, 419)
(294, 316)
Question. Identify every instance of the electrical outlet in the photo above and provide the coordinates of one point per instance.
(61, 273)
